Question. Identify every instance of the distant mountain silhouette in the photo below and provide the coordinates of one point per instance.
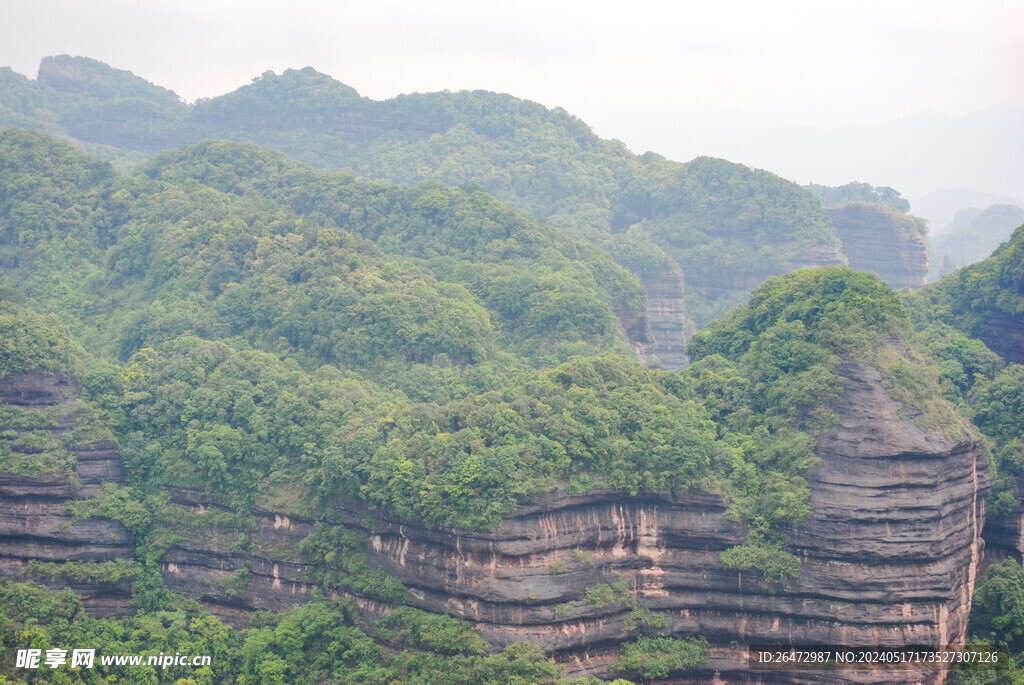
(940, 207)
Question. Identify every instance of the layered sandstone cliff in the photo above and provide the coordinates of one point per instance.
(818, 255)
(666, 314)
(883, 241)
(1004, 536)
(34, 522)
(889, 557)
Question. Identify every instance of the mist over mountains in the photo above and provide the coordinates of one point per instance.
(979, 152)
(940, 207)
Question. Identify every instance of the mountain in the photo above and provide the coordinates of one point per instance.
(592, 576)
(722, 226)
(986, 301)
(877, 234)
(884, 241)
(324, 428)
(940, 207)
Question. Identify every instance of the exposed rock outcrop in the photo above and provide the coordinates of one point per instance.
(889, 557)
(37, 389)
(637, 329)
(884, 241)
(1003, 333)
(34, 522)
(1004, 536)
(666, 314)
(817, 255)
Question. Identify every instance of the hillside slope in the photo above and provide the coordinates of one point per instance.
(799, 480)
(724, 226)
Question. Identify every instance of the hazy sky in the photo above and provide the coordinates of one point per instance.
(681, 78)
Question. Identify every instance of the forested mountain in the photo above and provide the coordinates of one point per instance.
(340, 390)
(72, 219)
(231, 257)
(985, 300)
(972, 237)
(724, 226)
(346, 400)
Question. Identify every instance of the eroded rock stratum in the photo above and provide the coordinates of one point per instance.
(884, 241)
(889, 557)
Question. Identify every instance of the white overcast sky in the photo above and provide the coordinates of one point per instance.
(680, 78)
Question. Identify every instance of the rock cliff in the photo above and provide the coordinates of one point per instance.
(884, 241)
(34, 522)
(889, 557)
(666, 314)
(818, 255)
(1003, 333)
(1004, 536)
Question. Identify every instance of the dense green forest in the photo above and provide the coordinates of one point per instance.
(969, 297)
(858, 192)
(247, 326)
(725, 225)
(287, 336)
(278, 312)
(953, 313)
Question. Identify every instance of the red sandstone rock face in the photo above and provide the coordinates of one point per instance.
(817, 255)
(882, 240)
(888, 559)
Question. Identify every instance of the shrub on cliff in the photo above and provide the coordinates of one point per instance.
(657, 657)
